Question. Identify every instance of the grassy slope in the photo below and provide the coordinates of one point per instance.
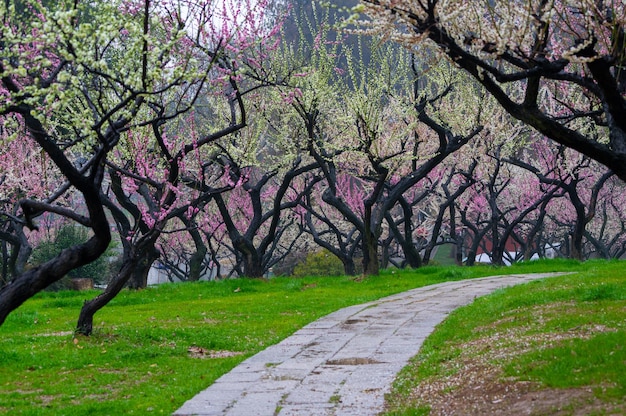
(138, 360)
(565, 335)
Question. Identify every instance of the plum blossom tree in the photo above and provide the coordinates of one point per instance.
(456, 179)
(19, 180)
(605, 234)
(47, 65)
(580, 179)
(253, 212)
(382, 140)
(167, 168)
(558, 66)
(329, 229)
(408, 230)
(183, 252)
(503, 200)
(79, 78)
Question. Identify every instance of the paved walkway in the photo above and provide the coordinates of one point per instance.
(344, 363)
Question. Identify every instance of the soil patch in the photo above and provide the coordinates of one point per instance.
(199, 352)
(477, 385)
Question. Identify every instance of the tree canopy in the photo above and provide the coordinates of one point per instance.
(558, 66)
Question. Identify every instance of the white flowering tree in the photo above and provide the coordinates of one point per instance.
(556, 65)
(77, 78)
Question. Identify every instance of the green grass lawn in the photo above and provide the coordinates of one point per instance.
(556, 346)
(155, 348)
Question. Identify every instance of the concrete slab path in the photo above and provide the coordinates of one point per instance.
(344, 363)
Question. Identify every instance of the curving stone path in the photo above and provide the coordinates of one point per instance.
(344, 363)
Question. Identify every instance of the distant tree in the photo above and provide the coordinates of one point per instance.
(254, 213)
(329, 229)
(581, 181)
(605, 234)
(368, 127)
(456, 181)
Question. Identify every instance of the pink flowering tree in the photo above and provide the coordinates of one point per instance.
(528, 55)
(409, 226)
(455, 180)
(605, 234)
(215, 235)
(581, 181)
(183, 251)
(167, 169)
(37, 179)
(501, 203)
(80, 79)
(327, 226)
(256, 213)
(195, 245)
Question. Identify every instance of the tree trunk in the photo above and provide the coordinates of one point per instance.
(195, 264)
(459, 239)
(576, 248)
(349, 268)
(371, 266)
(411, 255)
(471, 257)
(84, 325)
(139, 274)
(252, 266)
(136, 261)
(578, 229)
(15, 260)
(497, 248)
(34, 280)
(5, 263)
(529, 247)
(196, 260)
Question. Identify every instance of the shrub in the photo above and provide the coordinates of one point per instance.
(319, 263)
(66, 237)
(287, 266)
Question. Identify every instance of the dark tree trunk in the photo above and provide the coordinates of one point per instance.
(471, 256)
(412, 256)
(371, 232)
(497, 248)
(84, 325)
(139, 274)
(5, 265)
(578, 229)
(35, 280)
(136, 259)
(16, 251)
(371, 266)
(251, 261)
(346, 243)
(196, 261)
(349, 268)
(134, 263)
(529, 247)
(252, 266)
(459, 239)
